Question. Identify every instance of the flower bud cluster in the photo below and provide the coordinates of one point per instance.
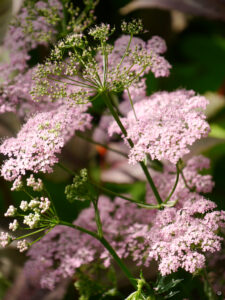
(134, 27)
(114, 68)
(81, 189)
(101, 32)
(37, 23)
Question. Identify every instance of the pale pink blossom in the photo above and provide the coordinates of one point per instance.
(164, 125)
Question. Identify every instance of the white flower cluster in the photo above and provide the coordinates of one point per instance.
(14, 225)
(44, 204)
(32, 220)
(22, 245)
(17, 184)
(5, 239)
(11, 211)
(36, 185)
(24, 205)
(38, 207)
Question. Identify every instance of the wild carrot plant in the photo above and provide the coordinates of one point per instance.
(173, 224)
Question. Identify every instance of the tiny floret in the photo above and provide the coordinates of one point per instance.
(40, 140)
(14, 225)
(5, 239)
(165, 125)
(44, 204)
(22, 245)
(24, 205)
(32, 220)
(36, 185)
(11, 211)
(133, 27)
(34, 203)
(17, 184)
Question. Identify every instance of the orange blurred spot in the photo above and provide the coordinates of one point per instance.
(101, 150)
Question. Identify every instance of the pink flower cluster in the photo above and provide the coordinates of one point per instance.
(24, 35)
(41, 138)
(165, 125)
(177, 237)
(69, 248)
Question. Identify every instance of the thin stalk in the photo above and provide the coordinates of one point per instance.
(64, 19)
(185, 182)
(52, 204)
(151, 182)
(125, 53)
(66, 169)
(175, 185)
(106, 244)
(144, 205)
(132, 105)
(79, 82)
(105, 64)
(122, 128)
(120, 263)
(40, 237)
(108, 103)
(97, 218)
(107, 191)
(100, 144)
(27, 193)
(29, 234)
(207, 286)
(84, 230)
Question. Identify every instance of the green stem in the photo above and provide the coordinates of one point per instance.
(175, 185)
(131, 103)
(29, 234)
(107, 191)
(207, 286)
(108, 103)
(27, 193)
(144, 205)
(100, 144)
(151, 182)
(40, 237)
(64, 19)
(97, 218)
(63, 167)
(105, 243)
(91, 233)
(185, 182)
(120, 263)
(125, 53)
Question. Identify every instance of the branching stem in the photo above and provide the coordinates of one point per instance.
(108, 103)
